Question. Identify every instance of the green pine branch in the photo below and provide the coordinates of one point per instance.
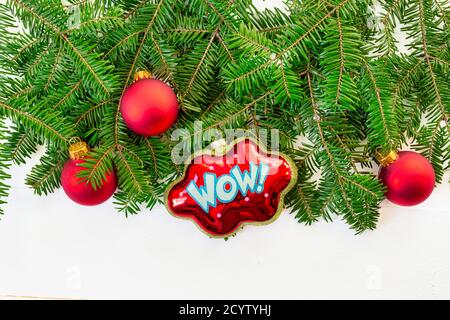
(44, 178)
(327, 75)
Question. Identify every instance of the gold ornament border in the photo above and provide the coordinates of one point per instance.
(225, 150)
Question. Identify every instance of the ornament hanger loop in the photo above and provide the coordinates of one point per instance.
(142, 74)
(386, 160)
(78, 148)
(74, 140)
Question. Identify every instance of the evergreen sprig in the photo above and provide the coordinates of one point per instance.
(327, 74)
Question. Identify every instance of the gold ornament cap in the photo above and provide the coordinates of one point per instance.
(142, 75)
(386, 160)
(78, 149)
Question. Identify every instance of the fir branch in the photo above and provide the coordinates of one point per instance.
(19, 146)
(135, 9)
(136, 181)
(310, 216)
(122, 41)
(133, 66)
(72, 90)
(5, 164)
(383, 125)
(52, 74)
(24, 48)
(153, 154)
(98, 165)
(78, 55)
(329, 154)
(226, 48)
(446, 63)
(311, 73)
(47, 130)
(326, 206)
(32, 67)
(161, 55)
(361, 214)
(433, 142)
(227, 119)
(313, 28)
(404, 80)
(285, 51)
(214, 103)
(45, 177)
(436, 89)
(388, 45)
(86, 64)
(37, 16)
(443, 14)
(341, 58)
(86, 114)
(93, 21)
(199, 65)
(380, 105)
(126, 203)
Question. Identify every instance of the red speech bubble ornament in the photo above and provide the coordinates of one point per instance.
(244, 185)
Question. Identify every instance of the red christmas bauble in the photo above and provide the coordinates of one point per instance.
(149, 107)
(83, 193)
(410, 180)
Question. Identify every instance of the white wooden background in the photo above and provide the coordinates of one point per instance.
(50, 247)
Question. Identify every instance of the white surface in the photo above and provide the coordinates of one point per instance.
(50, 247)
(53, 248)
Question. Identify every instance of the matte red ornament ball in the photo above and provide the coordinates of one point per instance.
(83, 193)
(410, 180)
(149, 107)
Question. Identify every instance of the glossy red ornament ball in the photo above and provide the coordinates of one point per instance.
(83, 193)
(410, 180)
(149, 107)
